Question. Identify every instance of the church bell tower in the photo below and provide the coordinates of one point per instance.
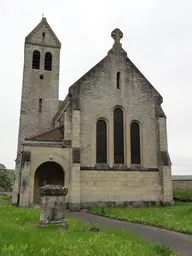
(40, 89)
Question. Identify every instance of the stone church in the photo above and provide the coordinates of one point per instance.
(106, 141)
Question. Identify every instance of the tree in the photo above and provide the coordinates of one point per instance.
(2, 166)
(6, 178)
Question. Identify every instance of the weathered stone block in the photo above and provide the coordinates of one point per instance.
(52, 208)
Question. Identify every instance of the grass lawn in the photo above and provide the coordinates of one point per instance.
(5, 200)
(183, 194)
(177, 218)
(19, 236)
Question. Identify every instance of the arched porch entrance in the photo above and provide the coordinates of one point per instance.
(47, 173)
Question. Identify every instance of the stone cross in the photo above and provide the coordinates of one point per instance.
(116, 34)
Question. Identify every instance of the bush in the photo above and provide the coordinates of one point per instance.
(5, 181)
(6, 178)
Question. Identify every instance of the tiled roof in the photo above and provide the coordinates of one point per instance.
(55, 134)
(60, 102)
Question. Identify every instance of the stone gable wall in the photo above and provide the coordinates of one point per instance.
(99, 96)
(49, 39)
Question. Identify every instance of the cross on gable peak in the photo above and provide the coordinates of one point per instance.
(116, 34)
(43, 18)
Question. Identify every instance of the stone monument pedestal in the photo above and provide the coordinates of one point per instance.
(52, 208)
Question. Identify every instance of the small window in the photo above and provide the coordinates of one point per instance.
(48, 61)
(43, 34)
(41, 77)
(40, 105)
(118, 80)
(36, 60)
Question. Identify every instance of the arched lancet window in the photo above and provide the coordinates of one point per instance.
(36, 60)
(48, 61)
(118, 136)
(40, 105)
(135, 143)
(101, 142)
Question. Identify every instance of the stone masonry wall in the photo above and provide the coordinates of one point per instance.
(75, 182)
(31, 121)
(182, 184)
(68, 123)
(119, 186)
(163, 134)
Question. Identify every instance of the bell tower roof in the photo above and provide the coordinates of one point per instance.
(43, 35)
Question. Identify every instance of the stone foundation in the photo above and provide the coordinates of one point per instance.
(125, 204)
(74, 207)
(137, 204)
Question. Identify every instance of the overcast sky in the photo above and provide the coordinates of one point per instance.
(157, 38)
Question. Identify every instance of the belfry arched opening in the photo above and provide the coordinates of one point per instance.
(47, 173)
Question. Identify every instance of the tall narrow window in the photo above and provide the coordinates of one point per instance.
(48, 61)
(118, 136)
(135, 144)
(118, 80)
(101, 142)
(36, 60)
(40, 105)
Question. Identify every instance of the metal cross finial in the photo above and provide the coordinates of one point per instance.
(116, 34)
(43, 15)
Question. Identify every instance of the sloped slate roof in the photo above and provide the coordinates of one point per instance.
(55, 134)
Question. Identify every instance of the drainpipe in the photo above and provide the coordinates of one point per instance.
(19, 179)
